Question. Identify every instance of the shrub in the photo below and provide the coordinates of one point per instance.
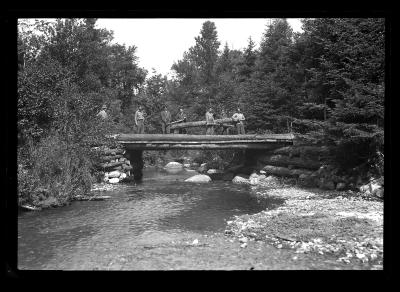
(56, 170)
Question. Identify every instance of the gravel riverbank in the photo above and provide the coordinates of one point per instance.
(339, 224)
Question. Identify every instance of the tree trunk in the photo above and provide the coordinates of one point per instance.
(200, 123)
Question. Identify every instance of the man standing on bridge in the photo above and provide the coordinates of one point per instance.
(139, 120)
(165, 120)
(225, 127)
(238, 117)
(182, 119)
(210, 122)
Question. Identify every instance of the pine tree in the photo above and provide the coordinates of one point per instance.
(344, 65)
(271, 103)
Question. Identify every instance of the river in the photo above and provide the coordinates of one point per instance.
(151, 225)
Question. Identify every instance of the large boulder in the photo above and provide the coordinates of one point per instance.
(173, 165)
(114, 180)
(199, 178)
(240, 180)
(114, 174)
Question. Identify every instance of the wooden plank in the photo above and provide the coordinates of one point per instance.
(185, 137)
(199, 146)
(197, 142)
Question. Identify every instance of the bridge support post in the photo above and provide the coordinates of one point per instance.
(136, 159)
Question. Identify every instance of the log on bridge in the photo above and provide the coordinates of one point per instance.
(218, 122)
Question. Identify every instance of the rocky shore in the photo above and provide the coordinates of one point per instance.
(323, 214)
(342, 225)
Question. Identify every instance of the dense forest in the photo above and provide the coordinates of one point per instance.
(325, 84)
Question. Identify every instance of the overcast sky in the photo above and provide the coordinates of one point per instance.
(161, 42)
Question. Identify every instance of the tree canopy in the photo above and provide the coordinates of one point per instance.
(326, 83)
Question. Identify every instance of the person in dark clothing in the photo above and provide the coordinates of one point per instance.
(225, 127)
(165, 120)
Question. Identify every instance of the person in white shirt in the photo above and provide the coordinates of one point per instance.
(210, 122)
(103, 113)
(139, 120)
(238, 117)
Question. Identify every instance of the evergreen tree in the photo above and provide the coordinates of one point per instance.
(271, 103)
(249, 59)
(344, 75)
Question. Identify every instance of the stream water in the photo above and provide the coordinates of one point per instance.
(161, 208)
(152, 226)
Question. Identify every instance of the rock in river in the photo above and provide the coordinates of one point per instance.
(174, 165)
(199, 178)
(114, 174)
(240, 180)
(253, 179)
(114, 180)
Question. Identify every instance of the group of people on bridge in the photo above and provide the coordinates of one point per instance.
(166, 120)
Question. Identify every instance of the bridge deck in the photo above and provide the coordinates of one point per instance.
(183, 141)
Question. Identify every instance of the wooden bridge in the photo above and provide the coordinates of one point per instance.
(135, 144)
(183, 141)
